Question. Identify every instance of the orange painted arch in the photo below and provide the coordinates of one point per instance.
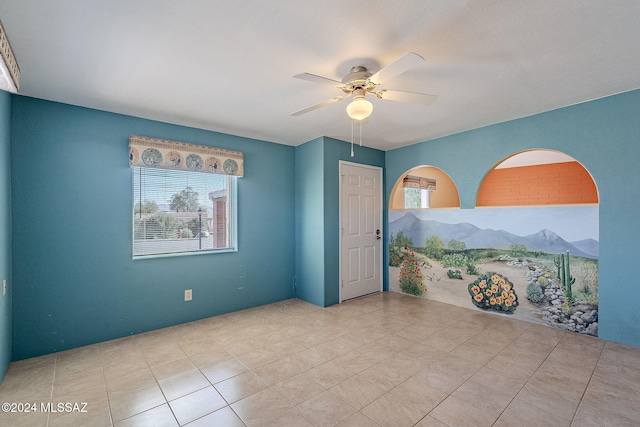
(565, 182)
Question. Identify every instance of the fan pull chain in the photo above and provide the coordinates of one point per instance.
(360, 133)
(352, 137)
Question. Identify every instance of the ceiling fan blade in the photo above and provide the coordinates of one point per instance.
(397, 67)
(319, 79)
(412, 97)
(316, 106)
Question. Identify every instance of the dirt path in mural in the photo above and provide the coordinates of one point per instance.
(455, 291)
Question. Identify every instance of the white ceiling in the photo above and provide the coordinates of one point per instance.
(534, 157)
(227, 65)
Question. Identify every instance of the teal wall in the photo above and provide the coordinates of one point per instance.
(74, 280)
(318, 215)
(603, 135)
(5, 232)
(309, 172)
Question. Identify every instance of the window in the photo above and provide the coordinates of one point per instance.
(184, 197)
(417, 198)
(180, 212)
(417, 192)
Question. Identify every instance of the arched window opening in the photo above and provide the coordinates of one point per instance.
(424, 187)
(537, 177)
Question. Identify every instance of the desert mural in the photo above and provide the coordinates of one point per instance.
(537, 264)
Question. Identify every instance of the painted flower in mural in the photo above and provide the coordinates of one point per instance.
(492, 291)
(411, 277)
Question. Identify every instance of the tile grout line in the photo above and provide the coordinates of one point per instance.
(157, 383)
(53, 380)
(483, 366)
(104, 381)
(531, 376)
(595, 366)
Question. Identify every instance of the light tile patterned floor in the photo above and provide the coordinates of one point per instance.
(386, 359)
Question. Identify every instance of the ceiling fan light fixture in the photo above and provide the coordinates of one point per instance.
(360, 108)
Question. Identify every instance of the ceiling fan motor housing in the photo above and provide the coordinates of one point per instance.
(358, 78)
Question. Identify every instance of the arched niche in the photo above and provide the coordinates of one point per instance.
(445, 194)
(537, 177)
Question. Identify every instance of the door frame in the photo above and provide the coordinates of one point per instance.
(382, 226)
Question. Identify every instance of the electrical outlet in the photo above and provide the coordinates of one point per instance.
(187, 295)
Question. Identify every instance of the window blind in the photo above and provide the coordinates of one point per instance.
(177, 211)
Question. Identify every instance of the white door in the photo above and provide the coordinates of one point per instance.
(360, 229)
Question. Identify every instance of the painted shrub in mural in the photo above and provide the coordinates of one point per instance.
(411, 277)
(493, 291)
(538, 264)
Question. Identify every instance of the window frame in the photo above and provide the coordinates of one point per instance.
(231, 219)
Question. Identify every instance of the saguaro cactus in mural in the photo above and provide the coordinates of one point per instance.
(564, 276)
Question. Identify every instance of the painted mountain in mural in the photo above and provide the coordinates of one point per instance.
(474, 237)
(589, 246)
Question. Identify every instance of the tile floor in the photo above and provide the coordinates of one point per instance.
(386, 359)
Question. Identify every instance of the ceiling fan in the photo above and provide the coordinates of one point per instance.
(360, 82)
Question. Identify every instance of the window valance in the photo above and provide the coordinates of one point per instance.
(9, 70)
(164, 154)
(411, 181)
